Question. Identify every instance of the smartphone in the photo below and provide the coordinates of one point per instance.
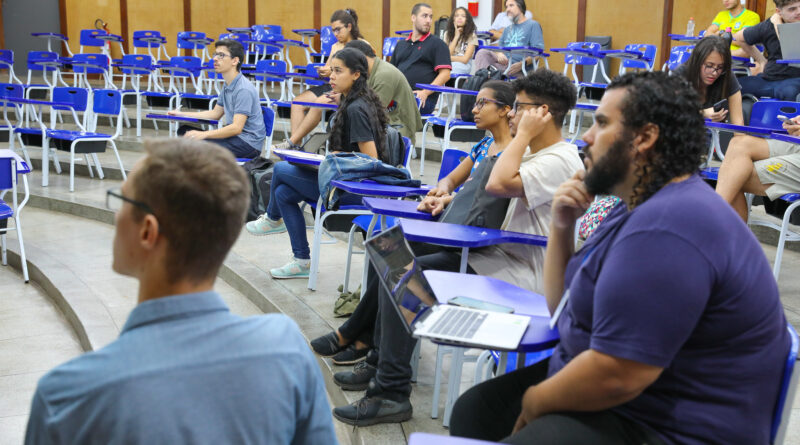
(478, 304)
(721, 104)
(785, 119)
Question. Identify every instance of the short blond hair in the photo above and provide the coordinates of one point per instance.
(199, 196)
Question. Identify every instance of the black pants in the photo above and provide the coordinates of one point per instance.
(361, 324)
(395, 344)
(490, 410)
(235, 144)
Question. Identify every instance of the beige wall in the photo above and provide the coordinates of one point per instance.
(294, 14)
(208, 17)
(559, 22)
(156, 15)
(81, 14)
(370, 17)
(632, 21)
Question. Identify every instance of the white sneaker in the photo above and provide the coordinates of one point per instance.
(265, 226)
(293, 269)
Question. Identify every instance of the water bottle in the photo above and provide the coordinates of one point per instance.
(690, 27)
(727, 35)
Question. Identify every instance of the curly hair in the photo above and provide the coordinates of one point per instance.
(551, 88)
(469, 27)
(348, 17)
(356, 62)
(708, 45)
(670, 103)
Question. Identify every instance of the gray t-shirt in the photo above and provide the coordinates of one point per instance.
(241, 97)
(527, 33)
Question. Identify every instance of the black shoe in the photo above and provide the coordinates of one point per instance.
(350, 356)
(374, 410)
(357, 379)
(327, 345)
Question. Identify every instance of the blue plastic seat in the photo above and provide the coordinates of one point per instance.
(7, 63)
(327, 39)
(88, 37)
(678, 55)
(389, 45)
(11, 170)
(649, 52)
(765, 113)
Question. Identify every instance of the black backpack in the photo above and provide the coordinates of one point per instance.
(441, 26)
(475, 83)
(259, 170)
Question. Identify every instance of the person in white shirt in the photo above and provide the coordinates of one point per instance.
(501, 22)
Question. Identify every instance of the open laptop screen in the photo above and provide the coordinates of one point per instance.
(400, 273)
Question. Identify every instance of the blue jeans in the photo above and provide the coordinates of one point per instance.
(290, 186)
(787, 89)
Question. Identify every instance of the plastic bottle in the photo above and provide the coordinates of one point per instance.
(690, 27)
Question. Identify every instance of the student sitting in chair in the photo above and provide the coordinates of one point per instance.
(662, 316)
(763, 167)
(522, 32)
(359, 127)
(529, 170)
(350, 343)
(244, 131)
(344, 23)
(461, 39)
(736, 17)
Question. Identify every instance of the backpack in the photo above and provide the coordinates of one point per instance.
(473, 205)
(259, 170)
(395, 148)
(441, 26)
(475, 83)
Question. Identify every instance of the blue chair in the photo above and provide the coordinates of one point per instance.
(788, 390)
(86, 141)
(450, 124)
(135, 66)
(265, 42)
(270, 70)
(85, 64)
(44, 62)
(594, 58)
(678, 55)
(7, 63)
(765, 113)
(647, 63)
(12, 91)
(389, 44)
(150, 39)
(195, 41)
(88, 37)
(326, 40)
(10, 169)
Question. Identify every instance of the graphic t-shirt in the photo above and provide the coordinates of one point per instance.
(745, 19)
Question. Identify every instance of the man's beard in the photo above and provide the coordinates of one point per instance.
(515, 19)
(611, 169)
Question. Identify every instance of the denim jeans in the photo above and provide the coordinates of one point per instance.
(290, 186)
(787, 89)
(235, 144)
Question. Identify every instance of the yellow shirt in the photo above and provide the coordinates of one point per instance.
(745, 19)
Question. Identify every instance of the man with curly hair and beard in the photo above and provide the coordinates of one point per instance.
(671, 330)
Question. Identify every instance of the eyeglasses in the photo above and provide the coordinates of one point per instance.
(220, 55)
(530, 104)
(115, 198)
(337, 29)
(484, 100)
(710, 68)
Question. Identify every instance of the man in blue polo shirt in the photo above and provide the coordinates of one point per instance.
(244, 131)
(423, 57)
(184, 369)
(671, 329)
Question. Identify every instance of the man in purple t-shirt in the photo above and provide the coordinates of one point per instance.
(671, 329)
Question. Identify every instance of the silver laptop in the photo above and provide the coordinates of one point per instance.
(790, 40)
(424, 317)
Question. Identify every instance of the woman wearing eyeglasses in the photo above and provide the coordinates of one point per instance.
(708, 70)
(344, 24)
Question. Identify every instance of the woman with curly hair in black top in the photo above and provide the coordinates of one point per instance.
(359, 126)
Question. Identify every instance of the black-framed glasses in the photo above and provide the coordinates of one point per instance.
(220, 55)
(115, 198)
(484, 100)
(529, 104)
(710, 68)
(337, 30)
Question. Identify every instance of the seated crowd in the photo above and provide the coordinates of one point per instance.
(671, 331)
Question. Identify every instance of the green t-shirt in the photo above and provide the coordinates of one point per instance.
(392, 88)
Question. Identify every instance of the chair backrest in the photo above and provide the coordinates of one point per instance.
(582, 60)
(326, 40)
(679, 55)
(786, 394)
(276, 30)
(649, 52)
(765, 113)
(89, 37)
(78, 97)
(6, 174)
(6, 58)
(234, 36)
(271, 66)
(406, 151)
(101, 60)
(11, 90)
(185, 44)
(144, 61)
(107, 102)
(147, 34)
(269, 119)
(389, 44)
(187, 62)
(450, 160)
(36, 57)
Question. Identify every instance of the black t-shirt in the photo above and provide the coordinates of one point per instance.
(764, 33)
(420, 60)
(357, 127)
(733, 86)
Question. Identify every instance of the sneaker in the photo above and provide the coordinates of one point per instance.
(265, 226)
(327, 345)
(350, 356)
(287, 145)
(357, 379)
(374, 410)
(293, 269)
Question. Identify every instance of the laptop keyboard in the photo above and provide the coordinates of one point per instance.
(458, 323)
